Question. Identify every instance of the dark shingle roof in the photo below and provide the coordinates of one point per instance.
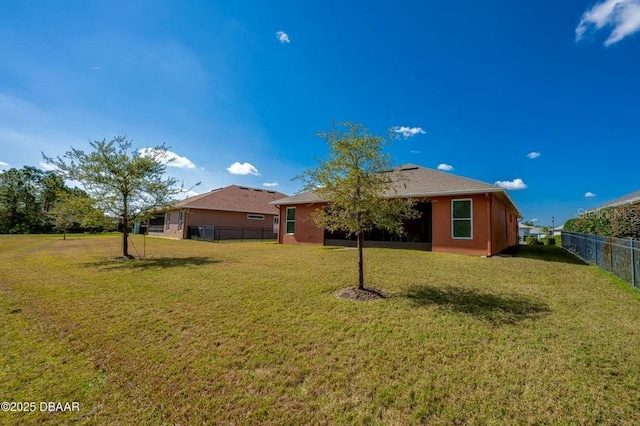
(415, 181)
(632, 198)
(235, 198)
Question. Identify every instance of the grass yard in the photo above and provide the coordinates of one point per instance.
(251, 333)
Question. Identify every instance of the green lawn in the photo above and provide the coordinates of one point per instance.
(250, 333)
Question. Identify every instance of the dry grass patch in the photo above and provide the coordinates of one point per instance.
(246, 333)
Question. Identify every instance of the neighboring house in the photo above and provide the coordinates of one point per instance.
(628, 200)
(558, 230)
(537, 232)
(485, 220)
(524, 231)
(232, 206)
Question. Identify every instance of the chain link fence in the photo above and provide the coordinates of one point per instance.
(620, 256)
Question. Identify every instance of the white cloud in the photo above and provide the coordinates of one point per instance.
(533, 155)
(415, 152)
(169, 158)
(535, 219)
(445, 167)
(511, 184)
(47, 167)
(3, 164)
(408, 132)
(622, 16)
(283, 37)
(270, 184)
(589, 194)
(242, 169)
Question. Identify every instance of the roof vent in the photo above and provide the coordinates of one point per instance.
(271, 192)
(243, 187)
(409, 168)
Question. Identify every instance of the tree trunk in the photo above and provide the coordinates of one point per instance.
(360, 261)
(125, 227)
(125, 238)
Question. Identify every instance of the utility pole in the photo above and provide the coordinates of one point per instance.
(553, 226)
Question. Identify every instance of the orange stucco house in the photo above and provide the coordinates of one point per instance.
(458, 215)
(234, 210)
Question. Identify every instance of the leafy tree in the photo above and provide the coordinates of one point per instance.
(25, 196)
(74, 208)
(51, 185)
(64, 213)
(356, 184)
(125, 183)
(528, 223)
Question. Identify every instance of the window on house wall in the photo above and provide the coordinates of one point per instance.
(255, 216)
(462, 219)
(291, 220)
(167, 220)
(181, 220)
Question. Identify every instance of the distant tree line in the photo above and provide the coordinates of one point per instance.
(620, 222)
(38, 201)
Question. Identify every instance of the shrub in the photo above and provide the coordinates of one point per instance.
(533, 241)
(621, 222)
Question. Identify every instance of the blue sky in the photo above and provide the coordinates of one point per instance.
(538, 94)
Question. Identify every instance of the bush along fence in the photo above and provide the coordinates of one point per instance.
(218, 233)
(620, 256)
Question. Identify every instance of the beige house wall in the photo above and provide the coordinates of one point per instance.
(174, 227)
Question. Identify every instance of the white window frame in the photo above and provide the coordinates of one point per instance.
(167, 220)
(181, 220)
(251, 216)
(470, 219)
(287, 220)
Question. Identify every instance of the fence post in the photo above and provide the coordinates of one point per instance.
(611, 269)
(633, 262)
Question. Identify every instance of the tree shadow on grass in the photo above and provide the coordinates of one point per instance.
(546, 253)
(151, 263)
(497, 309)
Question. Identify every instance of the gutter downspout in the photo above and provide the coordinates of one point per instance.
(280, 216)
(489, 223)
